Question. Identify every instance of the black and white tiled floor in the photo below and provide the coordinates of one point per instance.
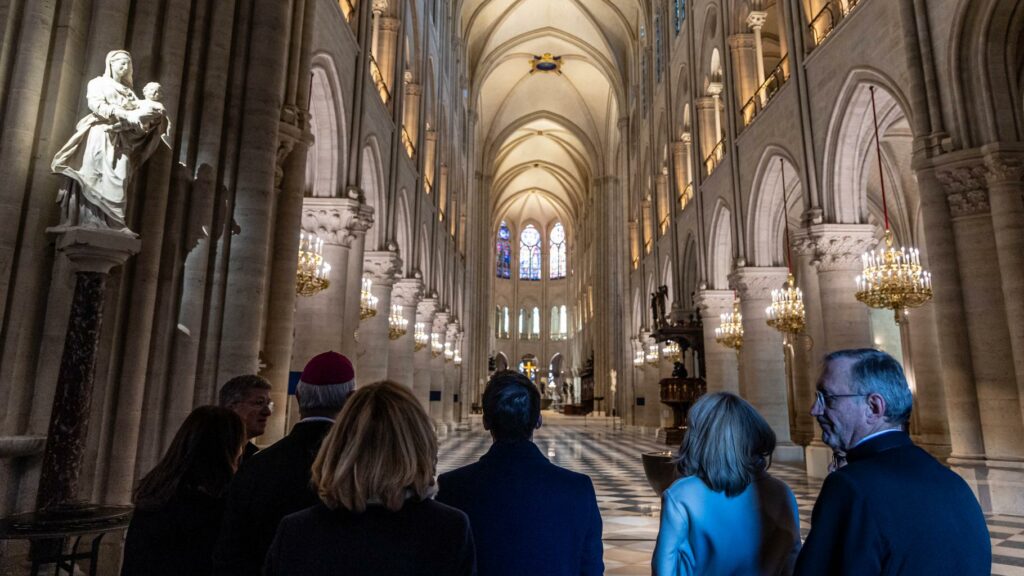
(629, 508)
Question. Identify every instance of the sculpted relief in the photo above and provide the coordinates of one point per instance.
(109, 146)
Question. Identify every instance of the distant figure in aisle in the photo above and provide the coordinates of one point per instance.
(727, 515)
(249, 397)
(375, 476)
(276, 481)
(179, 504)
(528, 515)
(892, 509)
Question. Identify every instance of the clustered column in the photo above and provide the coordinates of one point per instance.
(720, 363)
(422, 378)
(406, 293)
(380, 268)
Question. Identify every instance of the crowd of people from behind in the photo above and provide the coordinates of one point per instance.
(351, 490)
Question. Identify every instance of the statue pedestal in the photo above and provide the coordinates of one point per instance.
(92, 252)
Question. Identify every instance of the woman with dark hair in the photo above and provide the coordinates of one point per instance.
(727, 515)
(179, 504)
(375, 477)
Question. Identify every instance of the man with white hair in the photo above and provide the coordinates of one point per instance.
(276, 481)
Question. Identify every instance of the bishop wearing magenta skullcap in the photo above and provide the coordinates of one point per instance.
(276, 481)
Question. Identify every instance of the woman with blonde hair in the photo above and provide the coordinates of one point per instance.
(727, 515)
(375, 477)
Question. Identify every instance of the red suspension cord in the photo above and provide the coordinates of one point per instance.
(785, 216)
(878, 151)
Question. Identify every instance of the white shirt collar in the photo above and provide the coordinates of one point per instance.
(317, 419)
(879, 433)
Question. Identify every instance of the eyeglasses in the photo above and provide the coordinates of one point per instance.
(260, 403)
(825, 399)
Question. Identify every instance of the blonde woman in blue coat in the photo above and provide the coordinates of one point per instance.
(727, 515)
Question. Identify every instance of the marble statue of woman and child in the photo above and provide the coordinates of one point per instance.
(109, 146)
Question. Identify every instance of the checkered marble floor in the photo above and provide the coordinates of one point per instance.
(629, 509)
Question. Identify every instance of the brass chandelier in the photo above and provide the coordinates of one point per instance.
(420, 336)
(449, 353)
(893, 277)
(312, 272)
(730, 332)
(367, 301)
(436, 345)
(786, 313)
(672, 351)
(398, 325)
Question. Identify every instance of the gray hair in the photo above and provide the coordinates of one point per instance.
(876, 372)
(235, 390)
(727, 444)
(328, 397)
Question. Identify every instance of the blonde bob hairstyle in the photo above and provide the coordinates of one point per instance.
(381, 450)
(728, 443)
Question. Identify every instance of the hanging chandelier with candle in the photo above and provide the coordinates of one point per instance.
(367, 301)
(457, 360)
(652, 355)
(312, 272)
(449, 353)
(672, 351)
(730, 330)
(420, 336)
(436, 345)
(786, 313)
(398, 324)
(893, 277)
(638, 357)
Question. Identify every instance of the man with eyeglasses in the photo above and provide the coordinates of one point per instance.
(893, 508)
(249, 397)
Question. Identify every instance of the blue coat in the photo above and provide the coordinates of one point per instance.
(893, 509)
(705, 532)
(529, 517)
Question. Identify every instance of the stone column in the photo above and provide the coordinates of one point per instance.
(413, 92)
(755, 21)
(1006, 194)
(387, 46)
(406, 293)
(968, 197)
(380, 268)
(715, 91)
(450, 376)
(422, 377)
(706, 122)
(437, 380)
(353, 278)
(92, 254)
(762, 358)
(720, 363)
(808, 350)
(745, 63)
(837, 250)
(320, 320)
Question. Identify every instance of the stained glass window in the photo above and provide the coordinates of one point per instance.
(680, 14)
(504, 251)
(557, 252)
(657, 48)
(529, 253)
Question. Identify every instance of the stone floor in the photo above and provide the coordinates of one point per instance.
(611, 457)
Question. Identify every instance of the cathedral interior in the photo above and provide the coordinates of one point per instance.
(613, 197)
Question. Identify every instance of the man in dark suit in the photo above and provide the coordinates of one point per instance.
(276, 481)
(892, 509)
(249, 397)
(528, 515)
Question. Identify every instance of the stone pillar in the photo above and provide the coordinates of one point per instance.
(92, 254)
(706, 122)
(762, 358)
(380, 268)
(805, 364)
(406, 293)
(320, 320)
(1000, 483)
(837, 250)
(353, 278)
(755, 21)
(437, 380)
(1006, 195)
(413, 92)
(451, 378)
(422, 377)
(745, 68)
(387, 46)
(720, 363)
(715, 91)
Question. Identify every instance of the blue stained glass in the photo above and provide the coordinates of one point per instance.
(657, 48)
(680, 14)
(504, 252)
(529, 253)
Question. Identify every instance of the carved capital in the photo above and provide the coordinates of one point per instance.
(1004, 168)
(284, 148)
(431, 135)
(756, 20)
(836, 247)
(711, 303)
(407, 292)
(382, 267)
(741, 41)
(413, 88)
(966, 187)
(441, 321)
(425, 310)
(337, 221)
(389, 24)
(754, 283)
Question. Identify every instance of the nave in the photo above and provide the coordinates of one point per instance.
(610, 454)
